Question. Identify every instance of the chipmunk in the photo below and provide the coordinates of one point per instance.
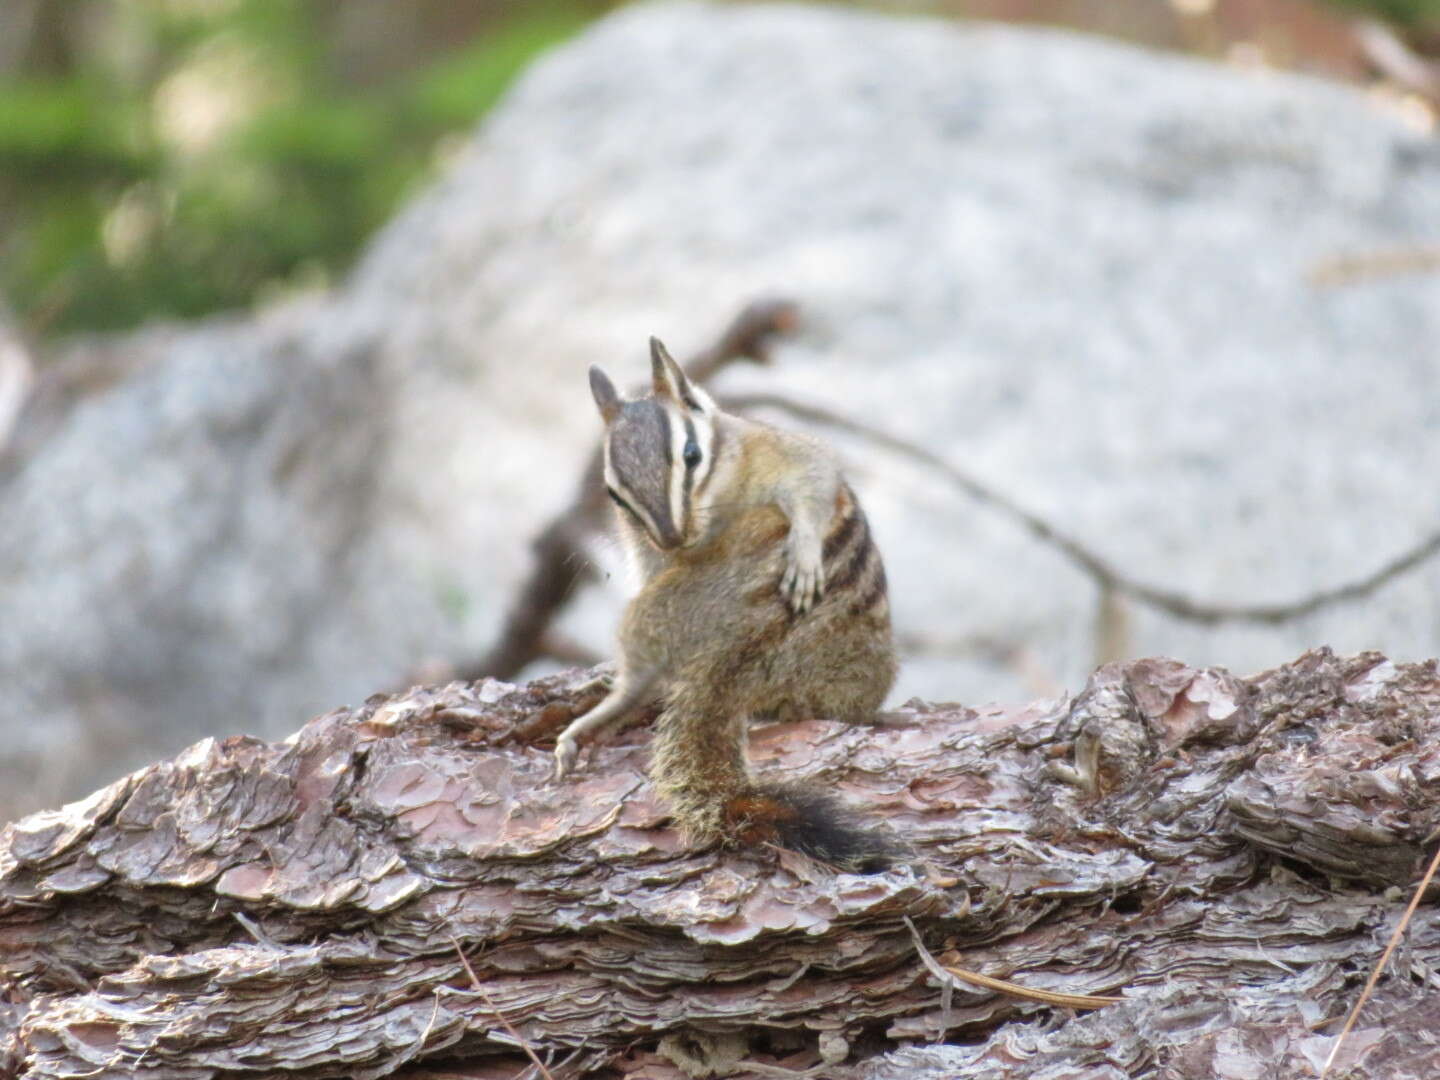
(763, 595)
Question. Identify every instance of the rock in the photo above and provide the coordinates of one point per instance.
(1082, 271)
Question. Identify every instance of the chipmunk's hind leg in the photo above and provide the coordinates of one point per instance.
(836, 671)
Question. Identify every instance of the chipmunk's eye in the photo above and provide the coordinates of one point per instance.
(692, 454)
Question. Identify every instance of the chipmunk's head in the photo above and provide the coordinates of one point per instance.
(659, 451)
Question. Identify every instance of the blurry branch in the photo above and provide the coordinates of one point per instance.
(1014, 656)
(560, 560)
(1395, 60)
(19, 20)
(1353, 269)
(1411, 73)
(1112, 627)
(17, 373)
(1106, 576)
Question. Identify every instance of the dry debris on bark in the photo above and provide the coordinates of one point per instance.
(1224, 853)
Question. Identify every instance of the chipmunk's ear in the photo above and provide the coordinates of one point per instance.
(669, 380)
(606, 399)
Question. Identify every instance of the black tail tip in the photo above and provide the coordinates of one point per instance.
(814, 823)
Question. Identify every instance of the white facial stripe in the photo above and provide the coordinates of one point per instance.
(685, 496)
(705, 437)
(675, 421)
(704, 400)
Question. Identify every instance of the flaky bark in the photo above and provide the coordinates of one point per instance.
(1220, 851)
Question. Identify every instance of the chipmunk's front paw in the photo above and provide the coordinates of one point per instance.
(803, 583)
(567, 752)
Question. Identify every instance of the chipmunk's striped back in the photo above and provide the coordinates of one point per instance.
(854, 571)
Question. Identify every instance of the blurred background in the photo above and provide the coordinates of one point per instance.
(296, 298)
(172, 158)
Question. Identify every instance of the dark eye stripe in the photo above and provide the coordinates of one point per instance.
(621, 503)
(716, 441)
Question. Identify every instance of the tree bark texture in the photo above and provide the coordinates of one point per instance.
(1226, 854)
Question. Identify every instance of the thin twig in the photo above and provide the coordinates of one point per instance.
(1351, 269)
(1399, 63)
(949, 975)
(255, 930)
(1104, 574)
(759, 1068)
(504, 1021)
(1384, 959)
(425, 1035)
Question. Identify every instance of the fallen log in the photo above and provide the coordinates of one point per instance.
(401, 890)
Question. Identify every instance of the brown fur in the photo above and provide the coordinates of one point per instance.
(754, 818)
(764, 595)
(714, 619)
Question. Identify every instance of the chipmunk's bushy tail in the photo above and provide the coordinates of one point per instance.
(698, 765)
(814, 822)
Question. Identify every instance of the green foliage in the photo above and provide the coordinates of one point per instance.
(454, 90)
(73, 128)
(120, 206)
(1404, 12)
(116, 205)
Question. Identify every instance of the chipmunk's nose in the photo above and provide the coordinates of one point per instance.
(666, 536)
